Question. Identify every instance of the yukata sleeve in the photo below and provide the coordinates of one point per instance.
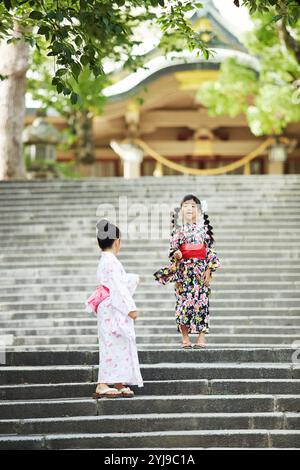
(120, 295)
(212, 259)
(175, 242)
(132, 282)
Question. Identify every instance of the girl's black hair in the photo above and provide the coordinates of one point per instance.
(107, 233)
(175, 215)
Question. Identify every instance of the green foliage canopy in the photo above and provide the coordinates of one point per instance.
(83, 33)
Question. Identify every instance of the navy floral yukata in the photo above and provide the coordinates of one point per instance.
(192, 296)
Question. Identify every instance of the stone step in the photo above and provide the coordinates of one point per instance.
(233, 439)
(86, 278)
(50, 241)
(145, 287)
(63, 357)
(59, 220)
(85, 205)
(73, 374)
(88, 244)
(33, 279)
(178, 355)
(222, 200)
(155, 193)
(84, 208)
(268, 302)
(141, 346)
(37, 349)
(86, 225)
(240, 181)
(63, 240)
(108, 182)
(166, 321)
(144, 346)
(155, 387)
(152, 233)
(158, 231)
(217, 294)
(151, 191)
(89, 270)
(129, 254)
(230, 295)
(160, 251)
(140, 257)
(229, 281)
(166, 313)
(276, 181)
(149, 330)
(245, 338)
(217, 214)
(161, 225)
(143, 404)
(150, 422)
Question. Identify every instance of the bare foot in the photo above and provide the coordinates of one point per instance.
(201, 340)
(186, 343)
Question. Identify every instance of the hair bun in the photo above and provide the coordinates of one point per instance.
(102, 226)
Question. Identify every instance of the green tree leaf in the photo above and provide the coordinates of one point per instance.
(74, 98)
(36, 15)
(61, 72)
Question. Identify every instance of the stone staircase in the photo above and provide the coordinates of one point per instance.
(243, 391)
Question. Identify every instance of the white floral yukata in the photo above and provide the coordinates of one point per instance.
(118, 357)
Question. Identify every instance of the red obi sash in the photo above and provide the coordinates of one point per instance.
(193, 250)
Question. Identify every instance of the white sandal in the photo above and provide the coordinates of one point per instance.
(108, 392)
(126, 392)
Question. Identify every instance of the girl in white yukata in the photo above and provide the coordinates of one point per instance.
(118, 361)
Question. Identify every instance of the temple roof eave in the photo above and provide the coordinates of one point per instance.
(174, 62)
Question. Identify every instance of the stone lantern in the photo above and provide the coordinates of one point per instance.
(41, 138)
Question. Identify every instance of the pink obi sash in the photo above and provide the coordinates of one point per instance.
(193, 250)
(100, 294)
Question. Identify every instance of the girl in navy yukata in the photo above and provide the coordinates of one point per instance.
(192, 261)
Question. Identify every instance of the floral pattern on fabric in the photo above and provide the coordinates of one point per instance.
(192, 296)
(117, 341)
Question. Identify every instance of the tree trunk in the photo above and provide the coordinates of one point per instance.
(13, 65)
(84, 146)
